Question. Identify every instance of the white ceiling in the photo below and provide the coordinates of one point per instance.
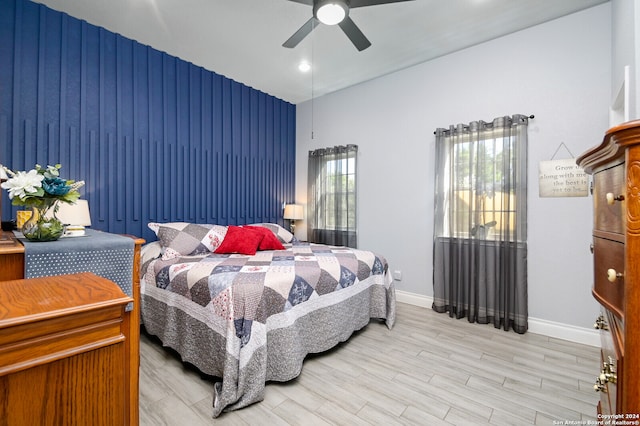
(242, 39)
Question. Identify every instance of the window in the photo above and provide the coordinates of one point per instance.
(338, 183)
(483, 203)
(333, 195)
(480, 222)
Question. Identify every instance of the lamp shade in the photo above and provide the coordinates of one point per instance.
(293, 212)
(74, 214)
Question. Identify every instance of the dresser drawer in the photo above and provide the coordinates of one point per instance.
(611, 362)
(607, 400)
(608, 286)
(608, 199)
(603, 323)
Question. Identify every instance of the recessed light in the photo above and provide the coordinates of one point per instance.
(304, 66)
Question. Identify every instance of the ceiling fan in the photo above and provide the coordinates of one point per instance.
(332, 12)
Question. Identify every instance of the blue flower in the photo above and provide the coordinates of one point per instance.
(55, 186)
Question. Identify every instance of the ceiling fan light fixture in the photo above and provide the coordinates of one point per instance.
(335, 12)
(331, 12)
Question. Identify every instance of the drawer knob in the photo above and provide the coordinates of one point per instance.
(611, 199)
(613, 275)
(599, 386)
(600, 323)
(607, 375)
(608, 372)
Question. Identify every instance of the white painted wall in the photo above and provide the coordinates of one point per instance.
(560, 71)
(626, 52)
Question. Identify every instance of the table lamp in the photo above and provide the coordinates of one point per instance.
(75, 217)
(293, 212)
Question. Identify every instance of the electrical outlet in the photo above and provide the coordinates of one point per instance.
(397, 275)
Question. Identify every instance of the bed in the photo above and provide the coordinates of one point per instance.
(246, 304)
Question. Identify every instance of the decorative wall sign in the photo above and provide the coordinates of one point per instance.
(562, 178)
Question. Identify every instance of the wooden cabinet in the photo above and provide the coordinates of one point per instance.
(12, 266)
(615, 166)
(63, 351)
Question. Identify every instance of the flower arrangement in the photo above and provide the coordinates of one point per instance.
(39, 189)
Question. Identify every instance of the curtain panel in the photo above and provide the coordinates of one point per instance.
(332, 192)
(480, 226)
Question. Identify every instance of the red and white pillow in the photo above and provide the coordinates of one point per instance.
(188, 239)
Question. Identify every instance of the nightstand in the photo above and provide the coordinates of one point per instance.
(63, 351)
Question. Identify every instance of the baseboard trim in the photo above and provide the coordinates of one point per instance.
(586, 336)
(414, 299)
(547, 328)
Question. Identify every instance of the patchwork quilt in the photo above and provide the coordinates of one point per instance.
(252, 319)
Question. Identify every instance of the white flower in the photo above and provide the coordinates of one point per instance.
(23, 184)
(76, 185)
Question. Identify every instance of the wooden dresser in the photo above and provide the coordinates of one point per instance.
(63, 352)
(615, 166)
(12, 266)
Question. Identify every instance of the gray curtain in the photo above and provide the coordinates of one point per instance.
(480, 226)
(332, 193)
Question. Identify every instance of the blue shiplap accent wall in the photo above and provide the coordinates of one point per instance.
(155, 138)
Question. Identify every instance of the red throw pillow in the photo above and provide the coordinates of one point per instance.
(269, 240)
(240, 240)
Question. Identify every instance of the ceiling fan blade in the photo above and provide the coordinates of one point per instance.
(307, 2)
(362, 3)
(299, 35)
(355, 35)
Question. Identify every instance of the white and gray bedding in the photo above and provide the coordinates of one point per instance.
(249, 319)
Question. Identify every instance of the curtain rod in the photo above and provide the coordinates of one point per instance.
(530, 117)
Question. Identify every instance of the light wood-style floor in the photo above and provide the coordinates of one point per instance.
(428, 370)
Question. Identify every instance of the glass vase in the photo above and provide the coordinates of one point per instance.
(42, 227)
